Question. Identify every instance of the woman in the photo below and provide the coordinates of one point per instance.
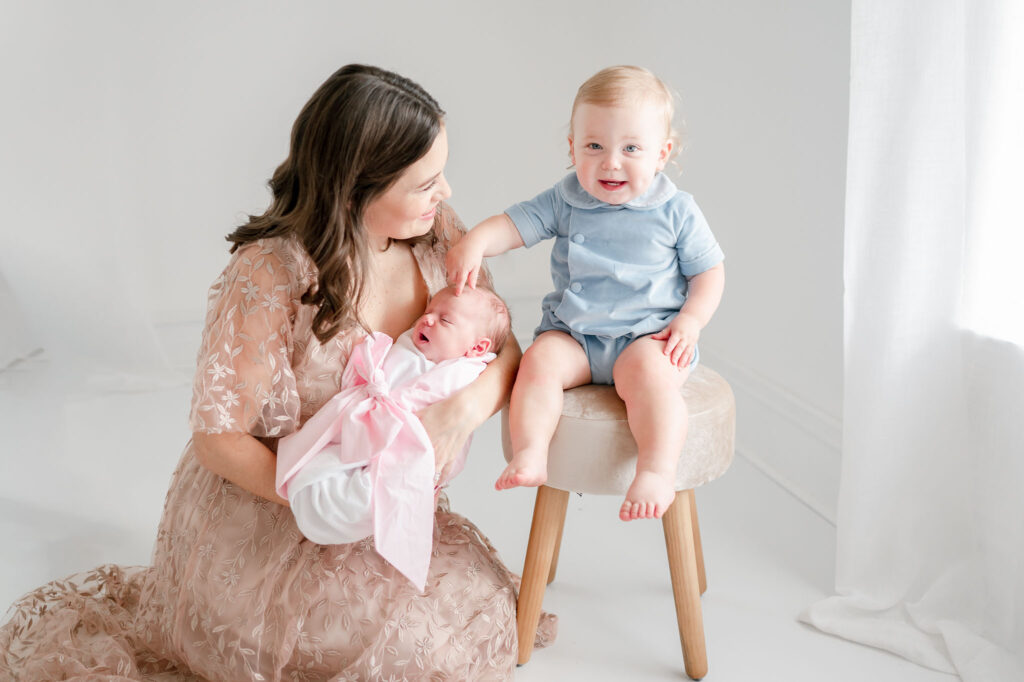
(354, 240)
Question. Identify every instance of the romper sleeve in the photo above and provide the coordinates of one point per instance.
(537, 219)
(696, 247)
(244, 380)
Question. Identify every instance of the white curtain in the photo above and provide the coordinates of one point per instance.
(930, 561)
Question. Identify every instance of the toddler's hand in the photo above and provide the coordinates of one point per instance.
(680, 336)
(463, 263)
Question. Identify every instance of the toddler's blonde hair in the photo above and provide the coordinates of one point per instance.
(626, 84)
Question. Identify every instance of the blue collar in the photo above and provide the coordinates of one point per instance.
(661, 190)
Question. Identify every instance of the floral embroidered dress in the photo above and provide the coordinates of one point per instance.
(235, 592)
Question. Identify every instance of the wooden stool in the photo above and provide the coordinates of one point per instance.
(593, 451)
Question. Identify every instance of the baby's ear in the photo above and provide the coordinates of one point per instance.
(665, 153)
(481, 346)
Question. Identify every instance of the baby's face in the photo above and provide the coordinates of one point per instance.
(452, 326)
(618, 150)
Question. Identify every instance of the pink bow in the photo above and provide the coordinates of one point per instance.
(366, 418)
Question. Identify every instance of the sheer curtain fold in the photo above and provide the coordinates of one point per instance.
(930, 547)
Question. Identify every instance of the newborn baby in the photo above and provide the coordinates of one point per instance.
(363, 464)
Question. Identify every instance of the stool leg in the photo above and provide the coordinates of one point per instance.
(548, 517)
(698, 550)
(682, 563)
(558, 548)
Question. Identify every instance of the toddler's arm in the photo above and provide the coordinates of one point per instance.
(703, 296)
(492, 237)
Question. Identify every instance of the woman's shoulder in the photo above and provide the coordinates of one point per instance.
(279, 258)
(282, 250)
(449, 228)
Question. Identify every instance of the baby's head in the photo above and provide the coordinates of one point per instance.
(468, 325)
(620, 132)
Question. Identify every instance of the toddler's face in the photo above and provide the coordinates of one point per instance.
(618, 150)
(452, 326)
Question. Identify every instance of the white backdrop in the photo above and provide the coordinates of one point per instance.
(134, 136)
(15, 340)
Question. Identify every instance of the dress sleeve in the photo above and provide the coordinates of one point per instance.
(244, 380)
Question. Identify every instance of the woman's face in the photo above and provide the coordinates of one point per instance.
(408, 207)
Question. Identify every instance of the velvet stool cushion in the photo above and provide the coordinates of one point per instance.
(593, 450)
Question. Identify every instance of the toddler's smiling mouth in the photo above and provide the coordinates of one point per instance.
(612, 184)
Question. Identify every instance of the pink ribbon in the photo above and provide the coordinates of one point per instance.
(367, 417)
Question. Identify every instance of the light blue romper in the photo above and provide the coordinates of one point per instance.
(619, 271)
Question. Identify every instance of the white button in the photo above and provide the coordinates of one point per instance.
(578, 238)
(576, 287)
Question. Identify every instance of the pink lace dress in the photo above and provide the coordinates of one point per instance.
(235, 592)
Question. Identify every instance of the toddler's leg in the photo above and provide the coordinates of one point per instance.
(553, 363)
(649, 385)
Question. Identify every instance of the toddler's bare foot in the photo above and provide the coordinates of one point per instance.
(649, 496)
(527, 468)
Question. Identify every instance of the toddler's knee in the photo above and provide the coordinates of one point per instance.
(643, 373)
(632, 369)
(540, 364)
(532, 364)
(537, 381)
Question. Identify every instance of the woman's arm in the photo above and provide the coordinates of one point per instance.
(241, 459)
(451, 421)
(243, 385)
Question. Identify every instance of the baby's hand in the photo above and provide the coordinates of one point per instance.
(463, 263)
(680, 336)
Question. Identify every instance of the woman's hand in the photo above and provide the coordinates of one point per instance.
(450, 422)
(449, 426)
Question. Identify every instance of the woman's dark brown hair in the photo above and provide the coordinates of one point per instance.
(357, 134)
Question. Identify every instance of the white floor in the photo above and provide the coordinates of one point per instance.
(84, 475)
